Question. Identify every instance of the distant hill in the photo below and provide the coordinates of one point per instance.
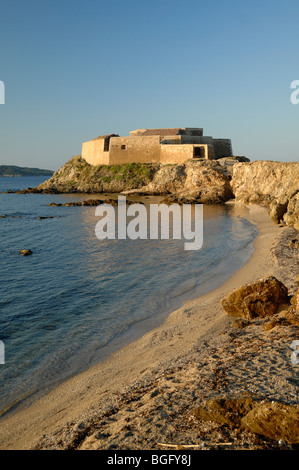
(12, 170)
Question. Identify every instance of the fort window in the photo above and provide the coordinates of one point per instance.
(123, 147)
(198, 152)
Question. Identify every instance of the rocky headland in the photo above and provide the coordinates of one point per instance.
(274, 185)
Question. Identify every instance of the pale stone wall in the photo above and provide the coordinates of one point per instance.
(93, 152)
(152, 146)
(175, 153)
(134, 149)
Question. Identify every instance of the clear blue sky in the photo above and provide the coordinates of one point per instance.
(75, 69)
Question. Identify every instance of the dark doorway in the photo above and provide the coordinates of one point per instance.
(198, 152)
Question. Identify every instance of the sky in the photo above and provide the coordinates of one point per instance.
(76, 69)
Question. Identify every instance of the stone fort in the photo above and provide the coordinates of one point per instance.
(166, 146)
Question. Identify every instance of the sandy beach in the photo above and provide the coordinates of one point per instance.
(141, 396)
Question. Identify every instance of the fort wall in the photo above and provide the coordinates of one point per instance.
(167, 146)
(134, 149)
(93, 152)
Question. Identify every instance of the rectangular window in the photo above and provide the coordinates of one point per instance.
(123, 147)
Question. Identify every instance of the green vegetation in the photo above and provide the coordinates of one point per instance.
(78, 176)
(136, 174)
(12, 170)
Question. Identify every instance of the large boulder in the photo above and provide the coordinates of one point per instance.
(274, 420)
(258, 299)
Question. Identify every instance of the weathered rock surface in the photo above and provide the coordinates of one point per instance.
(258, 299)
(77, 176)
(277, 421)
(274, 420)
(228, 411)
(272, 184)
(194, 181)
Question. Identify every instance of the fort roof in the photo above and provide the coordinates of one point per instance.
(105, 136)
(170, 131)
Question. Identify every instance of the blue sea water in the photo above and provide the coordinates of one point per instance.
(76, 298)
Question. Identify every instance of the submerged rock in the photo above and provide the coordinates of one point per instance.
(25, 252)
(258, 299)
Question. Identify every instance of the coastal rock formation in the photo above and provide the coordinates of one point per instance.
(272, 184)
(197, 180)
(77, 176)
(258, 299)
(202, 181)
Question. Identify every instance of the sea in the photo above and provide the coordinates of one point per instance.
(77, 298)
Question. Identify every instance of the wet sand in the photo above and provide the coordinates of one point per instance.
(140, 397)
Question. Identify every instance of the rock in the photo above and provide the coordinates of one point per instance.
(294, 244)
(228, 411)
(274, 420)
(291, 217)
(258, 299)
(25, 252)
(72, 204)
(77, 176)
(292, 317)
(295, 298)
(277, 211)
(240, 323)
(269, 325)
(92, 202)
(272, 184)
(202, 181)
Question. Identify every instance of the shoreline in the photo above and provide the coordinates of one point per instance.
(85, 396)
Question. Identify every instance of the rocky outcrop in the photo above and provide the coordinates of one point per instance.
(199, 180)
(258, 299)
(272, 184)
(77, 176)
(202, 181)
